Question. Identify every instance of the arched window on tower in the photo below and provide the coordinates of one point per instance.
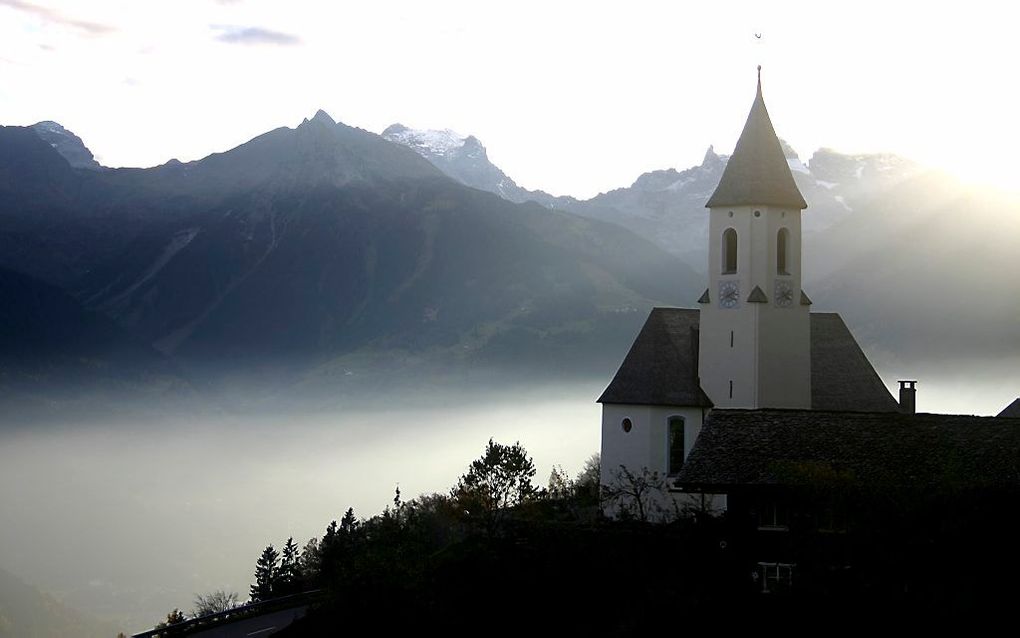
(676, 444)
(729, 251)
(782, 254)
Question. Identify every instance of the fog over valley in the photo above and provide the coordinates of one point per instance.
(128, 519)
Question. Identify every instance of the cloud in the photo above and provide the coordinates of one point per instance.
(254, 36)
(50, 15)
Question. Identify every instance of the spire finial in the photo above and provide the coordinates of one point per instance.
(759, 80)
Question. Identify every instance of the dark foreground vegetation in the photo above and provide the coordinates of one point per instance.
(497, 555)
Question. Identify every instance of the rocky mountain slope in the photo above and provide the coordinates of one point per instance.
(328, 252)
(69, 145)
(667, 207)
(56, 357)
(909, 255)
(466, 160)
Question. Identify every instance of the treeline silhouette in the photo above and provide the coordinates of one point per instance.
(498, 555)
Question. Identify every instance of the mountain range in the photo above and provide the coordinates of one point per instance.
(322, 257)
(324, 260)
(667, 207)
(911, 256)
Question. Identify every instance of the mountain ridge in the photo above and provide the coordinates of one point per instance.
(309, 248)
(319, 242)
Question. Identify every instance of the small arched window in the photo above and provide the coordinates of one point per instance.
(782, 251)
(676, 444)
(729, 251)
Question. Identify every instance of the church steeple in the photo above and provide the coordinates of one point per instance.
(757, 172)
(754, 344)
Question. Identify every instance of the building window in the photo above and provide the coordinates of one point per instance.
(832, 519)
(626, 425)
(729, 251)
(782, 244)
(676, 444)
(773, 516)
(775, 577)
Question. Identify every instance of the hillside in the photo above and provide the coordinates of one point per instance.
(25, 612)
(57, 357)
(326, 256)
(909, 256)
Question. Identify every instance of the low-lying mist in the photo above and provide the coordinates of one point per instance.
(130, 519)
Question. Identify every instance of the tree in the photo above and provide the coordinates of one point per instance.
(500, 479)
(214, 602)
(289, 580)
(587, 485)
(266, 575)
(310, 561)
(560, 486)
(175, 617)
(349, 523)
(337, 547)
(636, 495)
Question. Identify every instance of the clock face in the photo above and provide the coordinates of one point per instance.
(784, 293)
(729, 294)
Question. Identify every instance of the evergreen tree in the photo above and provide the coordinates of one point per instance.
(349, 523)
(289, 579)
(266, 575)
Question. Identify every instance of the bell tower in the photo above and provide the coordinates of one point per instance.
(755, 328)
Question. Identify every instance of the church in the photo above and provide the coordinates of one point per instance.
(752, 391)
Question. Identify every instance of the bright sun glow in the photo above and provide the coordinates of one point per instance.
(573, 98)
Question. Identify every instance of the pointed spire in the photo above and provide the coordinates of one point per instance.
(757, 172)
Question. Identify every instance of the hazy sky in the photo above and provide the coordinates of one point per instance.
(571, 97)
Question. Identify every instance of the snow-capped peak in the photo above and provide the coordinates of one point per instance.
(67, 144)
(432, 141)
(49, 126)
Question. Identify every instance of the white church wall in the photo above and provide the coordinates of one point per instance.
(646, 448)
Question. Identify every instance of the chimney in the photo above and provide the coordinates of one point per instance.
(908, 396)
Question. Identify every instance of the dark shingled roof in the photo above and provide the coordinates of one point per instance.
(842, 378)
(662, 366)
(789, 447)
(757, 172)
(1012, 410)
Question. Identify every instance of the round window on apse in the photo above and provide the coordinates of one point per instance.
(626, 425)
